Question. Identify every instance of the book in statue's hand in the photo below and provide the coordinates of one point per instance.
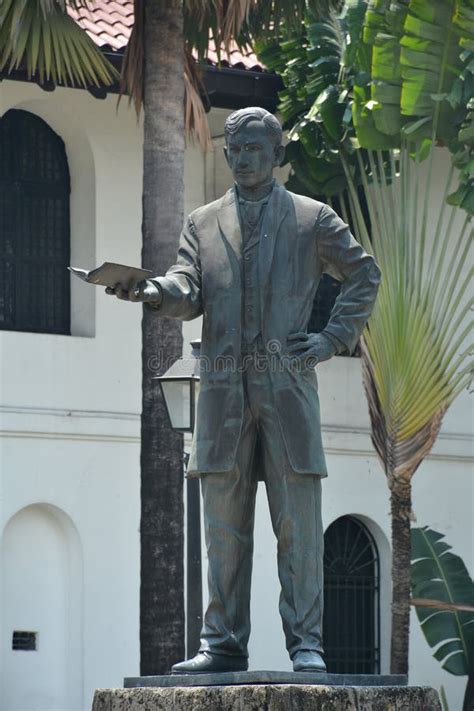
(111, 274)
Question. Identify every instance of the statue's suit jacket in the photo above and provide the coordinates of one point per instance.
(300, 239)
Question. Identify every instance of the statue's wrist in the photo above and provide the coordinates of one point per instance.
(152, 293)
(333, 342)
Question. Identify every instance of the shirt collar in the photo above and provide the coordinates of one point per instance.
(262, 201)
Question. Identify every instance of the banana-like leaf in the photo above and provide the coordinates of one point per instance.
(383, 30)
(421, 80)
(430, 61)
(40, 36)
(463, 93)
(364, 111)
(439, 574)
(375, 108)
(310, 172)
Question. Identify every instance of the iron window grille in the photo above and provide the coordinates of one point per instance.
(34, 226)
(351, 636)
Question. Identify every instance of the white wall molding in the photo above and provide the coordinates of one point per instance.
(110, 426)
(75, 425)
(58, 412)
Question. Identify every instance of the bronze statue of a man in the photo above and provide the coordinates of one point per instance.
(250, 264)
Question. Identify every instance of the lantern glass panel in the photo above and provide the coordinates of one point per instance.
(177, 394)
(197, 388)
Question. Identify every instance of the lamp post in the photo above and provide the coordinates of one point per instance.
(180, 389)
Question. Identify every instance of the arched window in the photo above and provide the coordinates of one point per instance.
(351, 599)
(34, 226)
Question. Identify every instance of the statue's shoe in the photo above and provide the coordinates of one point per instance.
(308, 661)
(207, 663)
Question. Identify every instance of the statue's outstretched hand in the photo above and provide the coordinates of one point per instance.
(144, 291)
(310, 348)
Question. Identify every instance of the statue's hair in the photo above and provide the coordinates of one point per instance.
(239, 119)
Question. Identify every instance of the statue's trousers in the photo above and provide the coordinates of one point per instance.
(229, 508)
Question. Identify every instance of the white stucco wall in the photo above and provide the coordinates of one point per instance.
(69, 462)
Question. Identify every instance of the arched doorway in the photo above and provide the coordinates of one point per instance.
(351, 636)
(41, 612)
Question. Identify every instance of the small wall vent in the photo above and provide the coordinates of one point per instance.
(24, 641)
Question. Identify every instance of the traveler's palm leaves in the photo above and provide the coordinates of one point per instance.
(417, 350)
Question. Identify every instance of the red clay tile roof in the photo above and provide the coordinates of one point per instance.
(109, 24)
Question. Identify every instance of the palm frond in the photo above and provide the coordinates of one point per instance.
(131, 81)
(266, 18)
(132, 75)
(41, 37)
(400, 457)
(417, 350)
(195, 118)
(217, 20)
(48, 6)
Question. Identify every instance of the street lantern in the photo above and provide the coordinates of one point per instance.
(180, 390)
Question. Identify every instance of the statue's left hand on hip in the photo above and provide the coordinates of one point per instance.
(310, 348)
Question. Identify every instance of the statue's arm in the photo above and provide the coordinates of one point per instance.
(343, 258)
(179, 291)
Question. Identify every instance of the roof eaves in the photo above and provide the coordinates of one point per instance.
(227, 87)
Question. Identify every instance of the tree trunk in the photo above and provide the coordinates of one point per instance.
(162, 574)
(468, 704)
(400, 502)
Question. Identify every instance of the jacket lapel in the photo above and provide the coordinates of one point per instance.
(229, 223)
(276, 210)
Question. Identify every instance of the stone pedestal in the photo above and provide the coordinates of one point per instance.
(267, 691)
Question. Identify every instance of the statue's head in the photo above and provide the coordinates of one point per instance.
(253, 147)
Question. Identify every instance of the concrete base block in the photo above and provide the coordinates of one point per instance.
(283, 697)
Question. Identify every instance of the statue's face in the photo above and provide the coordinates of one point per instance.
(251, 155)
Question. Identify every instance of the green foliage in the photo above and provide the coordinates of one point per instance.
(437, 574)
(39, 35)
(421, 80)
(375, 77)
(463, 91)
(383, 28)
(317, 68)
(430, 63)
